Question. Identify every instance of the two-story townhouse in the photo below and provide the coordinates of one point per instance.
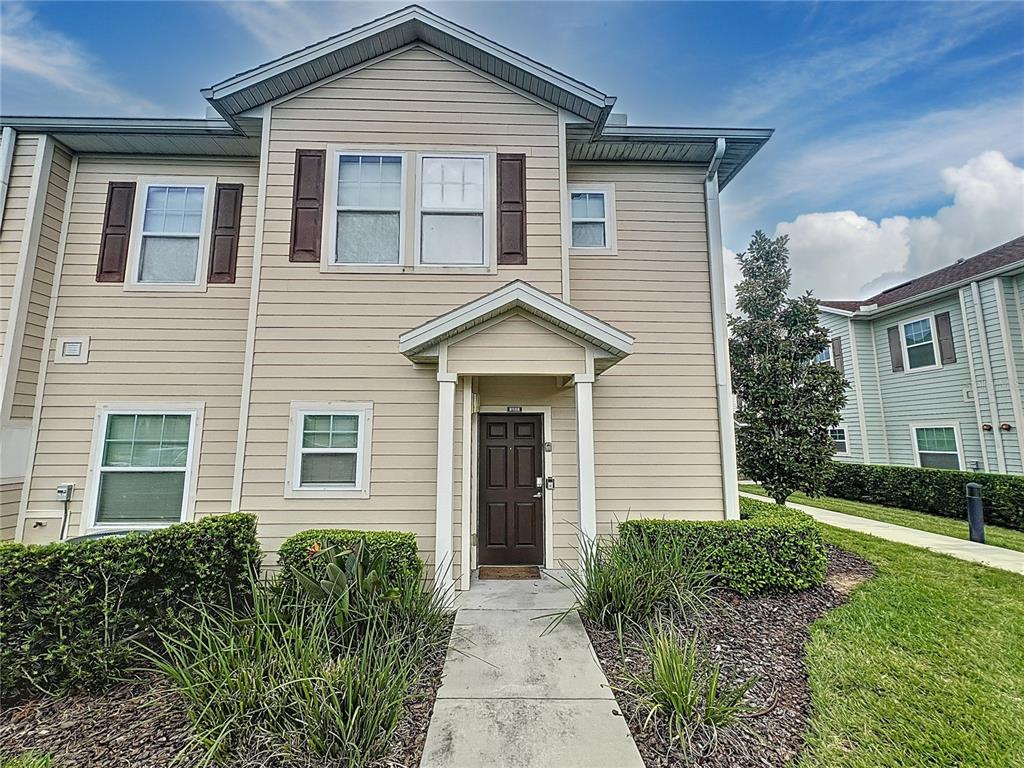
(406, 278)
(935, 367)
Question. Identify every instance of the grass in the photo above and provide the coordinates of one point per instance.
(994, 535)
(27, 760)
(923, 667)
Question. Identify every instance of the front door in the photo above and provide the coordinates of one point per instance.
(511, 500)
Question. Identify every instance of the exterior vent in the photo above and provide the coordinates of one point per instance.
(72, 349)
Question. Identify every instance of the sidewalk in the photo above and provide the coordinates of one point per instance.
(964, 549)
(511, 698)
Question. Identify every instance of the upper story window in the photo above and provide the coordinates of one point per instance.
(592, 211)
(937, 447)
(919, 344)
(368, 209)
(172, 226)
(452, 201)
(825, 356)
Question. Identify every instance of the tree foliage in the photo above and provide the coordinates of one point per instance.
(786, 401)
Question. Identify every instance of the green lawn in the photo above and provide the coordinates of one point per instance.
(923, 667)
(999, 537)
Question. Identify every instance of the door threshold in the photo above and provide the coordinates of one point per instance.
(508, 572)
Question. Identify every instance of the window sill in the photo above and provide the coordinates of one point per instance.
(405, 269)
(575, 251)
(166, 287)
(923, 368)
(326, 493)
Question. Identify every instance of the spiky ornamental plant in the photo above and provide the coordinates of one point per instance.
(786, 401)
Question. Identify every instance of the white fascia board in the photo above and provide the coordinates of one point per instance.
(515, 294)
(835, 311)
(245, 80)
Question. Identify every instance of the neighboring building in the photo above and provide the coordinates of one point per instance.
(935, 367)
(407, 279)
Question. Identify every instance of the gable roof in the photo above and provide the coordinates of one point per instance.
(998, 259)
(518, 294)
(286, 74)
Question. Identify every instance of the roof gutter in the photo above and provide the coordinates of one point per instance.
(7, 139)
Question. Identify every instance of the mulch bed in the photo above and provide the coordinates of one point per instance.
(137, 725)
(144, 725)
(760, 637)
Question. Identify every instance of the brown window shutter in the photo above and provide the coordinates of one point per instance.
(837, 355)
(944, 330)
(227, 221)
(511, 209)
(307, 205)
(117, 227)
(895, 348)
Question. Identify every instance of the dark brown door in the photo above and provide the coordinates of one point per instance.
(511, 503)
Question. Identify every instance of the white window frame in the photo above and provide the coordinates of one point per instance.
(489, 239)
(88, 523)
(293, 487)
(935, 344)
(846, 440)
(330, 225)
(611, 246)
(954, 425)
(143, 184)
(830, 362)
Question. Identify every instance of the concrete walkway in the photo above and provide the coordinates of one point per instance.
(964, 549)
(511, 698)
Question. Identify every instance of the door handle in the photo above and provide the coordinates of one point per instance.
(539, 495)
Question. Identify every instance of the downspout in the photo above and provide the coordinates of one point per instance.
(7, 140)
(720, 331)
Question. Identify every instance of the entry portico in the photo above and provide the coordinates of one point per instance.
(516, 350)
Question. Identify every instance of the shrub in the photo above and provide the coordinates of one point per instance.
(933, 491)
(309, 670)
(618, 584)
(72, 614)
(684, 691)
(396, 548)
(771, 549)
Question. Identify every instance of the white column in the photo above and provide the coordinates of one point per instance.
(720, 330)
(585, 454)
(445, 476)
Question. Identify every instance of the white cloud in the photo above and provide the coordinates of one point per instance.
(845, 255)
(31, 51)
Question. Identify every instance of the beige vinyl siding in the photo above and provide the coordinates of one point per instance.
(655, 414)
(144, 346)
(516, 344)
(10, 499)
(334, 336)
(13, 225)
(42, 282)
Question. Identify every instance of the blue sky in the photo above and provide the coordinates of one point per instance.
(899, 127)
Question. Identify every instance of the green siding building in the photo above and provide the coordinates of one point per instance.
(935, 367)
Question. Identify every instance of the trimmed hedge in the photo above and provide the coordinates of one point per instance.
(398, 548)
(933, 491)
(770, 549)
(73, 614)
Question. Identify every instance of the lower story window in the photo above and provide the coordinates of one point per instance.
(838, 435)
(330, 449)
(937, 447)
(143, 468)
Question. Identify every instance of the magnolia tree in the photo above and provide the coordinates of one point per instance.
(787, 402)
